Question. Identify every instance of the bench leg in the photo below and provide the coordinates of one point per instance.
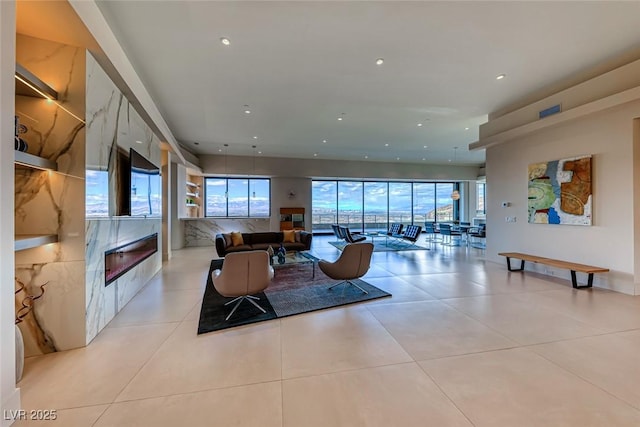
(515, 269)
(574, 281)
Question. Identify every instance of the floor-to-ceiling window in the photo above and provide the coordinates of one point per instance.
(400, 202)
(350, 204)
(481, 191)
(444, 202)
(424, 202)
(374, 205)
(324, 205)
(376, 212)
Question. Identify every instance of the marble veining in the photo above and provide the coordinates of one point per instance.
(202, 232)
(52, 202)
(112, 125)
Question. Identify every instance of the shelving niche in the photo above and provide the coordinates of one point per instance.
(194, 196)
(27, 84)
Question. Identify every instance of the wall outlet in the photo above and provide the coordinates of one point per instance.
(510, 219)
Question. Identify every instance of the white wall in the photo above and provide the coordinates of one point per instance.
(314, 168)
(610, 242)
(9, 395)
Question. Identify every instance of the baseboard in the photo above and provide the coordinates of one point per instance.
(10, 408)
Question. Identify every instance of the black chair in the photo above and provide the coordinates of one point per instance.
(411, 234)
(351, 238)
(395, 230)
(448, 235)
(430, 229)
(336, 231)
(479, 232)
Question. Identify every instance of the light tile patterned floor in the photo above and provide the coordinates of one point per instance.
(462, 342)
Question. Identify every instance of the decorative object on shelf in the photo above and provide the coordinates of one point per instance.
(20, 144)
(26, 304)
(281, 254)
(271, 252)
(19, 354)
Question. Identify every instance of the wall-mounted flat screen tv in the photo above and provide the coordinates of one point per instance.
(146, 186)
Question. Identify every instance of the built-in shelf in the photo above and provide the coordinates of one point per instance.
(192, 205)
(192, 194)
(28, 241)
(191, 184)
(28, 84)
(36, 162)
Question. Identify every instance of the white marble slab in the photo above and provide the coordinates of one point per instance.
(202, 232)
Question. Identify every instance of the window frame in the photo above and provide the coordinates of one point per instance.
(226, 187)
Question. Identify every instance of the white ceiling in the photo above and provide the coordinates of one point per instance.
(300, 65)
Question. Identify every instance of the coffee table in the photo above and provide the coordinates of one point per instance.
(295, 257)
(373, 234)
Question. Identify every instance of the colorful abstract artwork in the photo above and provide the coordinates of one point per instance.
(560, 192)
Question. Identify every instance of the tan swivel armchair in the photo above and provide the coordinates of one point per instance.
(353, 263)
(243, 274)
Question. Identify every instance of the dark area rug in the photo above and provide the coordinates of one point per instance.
(293, 290)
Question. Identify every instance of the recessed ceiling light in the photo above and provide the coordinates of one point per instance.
(379, 61)
(255, 137)
(397, 158)
(419, 124)
(219, 150)
(500, 76)
(341, 116)
(466, 128)
(449, 160)
(386, 145)
(366, 157)
(324, 141)
(225, 41)
(425, 146)
(246, 109)
(259, 152)
(139, 142)
(315, 154)
(423, 159)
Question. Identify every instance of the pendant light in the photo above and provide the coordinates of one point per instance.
(253, 194)
(226, 191)
(455, 195)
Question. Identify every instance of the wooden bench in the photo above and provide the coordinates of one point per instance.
(574, 267)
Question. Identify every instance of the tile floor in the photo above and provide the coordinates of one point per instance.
(462, 342)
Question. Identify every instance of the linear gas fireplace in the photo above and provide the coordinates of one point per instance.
(118, 261)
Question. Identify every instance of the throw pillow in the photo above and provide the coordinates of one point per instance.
(236, 238)
(289, 236)
(227, 240)
(298, 240)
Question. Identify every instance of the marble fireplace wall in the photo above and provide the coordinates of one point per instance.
(112, 124)
(52, 202)
(202, 231)
(103, 303)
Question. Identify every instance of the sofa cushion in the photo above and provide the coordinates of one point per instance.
(297, 237)
(294, 246)
(264, 246)
(227, 239)
(236, 238)
(239, 248)
(289, 236)
(266, 237)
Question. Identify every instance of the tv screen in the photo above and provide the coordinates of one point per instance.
(146, 186)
